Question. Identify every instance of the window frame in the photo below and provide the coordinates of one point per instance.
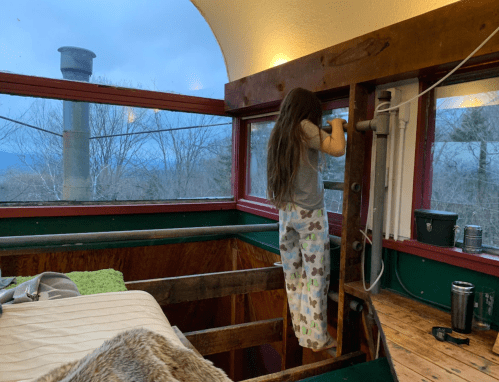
(41, 87)
(422, 185)
(260, 206)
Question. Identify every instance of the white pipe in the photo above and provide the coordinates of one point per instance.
(403, 120)
(391, 151)
(369, 222)
(396, 96)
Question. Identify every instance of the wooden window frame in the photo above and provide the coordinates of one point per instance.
(423, 172)
(260, 206)
(41, 87)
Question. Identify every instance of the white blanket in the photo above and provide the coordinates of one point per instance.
(138, 355)
(39, 336)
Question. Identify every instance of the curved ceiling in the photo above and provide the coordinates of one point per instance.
(255, 35)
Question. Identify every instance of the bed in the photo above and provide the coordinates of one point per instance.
(39, 336)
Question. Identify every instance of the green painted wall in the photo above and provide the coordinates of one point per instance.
(429, 279)
(426, 278)
(106, 223)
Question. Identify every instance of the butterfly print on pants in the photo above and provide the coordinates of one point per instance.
(310, 259)
(316, 225)
(317, 271)
(306, 214)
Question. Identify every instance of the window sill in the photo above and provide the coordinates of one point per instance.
(484, 263)
(261, 208)
(109, 208)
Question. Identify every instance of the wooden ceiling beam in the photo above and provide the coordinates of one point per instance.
(434, 41)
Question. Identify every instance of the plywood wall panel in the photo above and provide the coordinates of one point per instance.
(136, 263)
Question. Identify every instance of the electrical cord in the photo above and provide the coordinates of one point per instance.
(362, 259)
(441, 80)
(410, 293)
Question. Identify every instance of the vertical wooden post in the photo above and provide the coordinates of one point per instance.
(292, 352)
(348, 321)
(237, 311)
(368, 326)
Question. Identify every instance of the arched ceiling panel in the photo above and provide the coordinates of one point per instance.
(255, 35)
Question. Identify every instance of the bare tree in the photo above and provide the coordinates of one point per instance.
(40, 152)
(466, 169)
(184, 153)
(118, 153)
(129, 160)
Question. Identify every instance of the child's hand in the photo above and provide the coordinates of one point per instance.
(336, 123)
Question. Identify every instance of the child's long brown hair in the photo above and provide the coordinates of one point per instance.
(288, 143)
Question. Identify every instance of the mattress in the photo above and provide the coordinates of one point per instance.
(36, 337)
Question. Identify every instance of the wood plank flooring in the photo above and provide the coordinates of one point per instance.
(417, 356)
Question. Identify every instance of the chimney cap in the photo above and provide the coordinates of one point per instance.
(75, 48)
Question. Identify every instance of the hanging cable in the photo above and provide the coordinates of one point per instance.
(441, 80)
(119, 135)
(162, 130)
(33, 127)
(362, 260)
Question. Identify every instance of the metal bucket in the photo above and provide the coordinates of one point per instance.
(472, 239)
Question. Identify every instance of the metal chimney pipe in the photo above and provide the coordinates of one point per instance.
(76, 65)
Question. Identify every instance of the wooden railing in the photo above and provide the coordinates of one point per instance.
(174, 290)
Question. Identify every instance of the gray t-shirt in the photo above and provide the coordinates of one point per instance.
(309, 188)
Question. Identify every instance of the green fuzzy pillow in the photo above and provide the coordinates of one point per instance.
(93, 282)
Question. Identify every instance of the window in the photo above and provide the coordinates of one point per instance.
(334, 169)
(465, 155)
(259, 138)
(259, 134)
(152, 45)
(131, 153)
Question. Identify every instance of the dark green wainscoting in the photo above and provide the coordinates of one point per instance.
(425, 278)
(430, 280)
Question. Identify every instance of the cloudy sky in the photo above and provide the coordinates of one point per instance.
(163, 45)
(156, 44)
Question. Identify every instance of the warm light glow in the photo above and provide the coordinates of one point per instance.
(156, 111)
(279, 59)
(130, 115)
(471, 102)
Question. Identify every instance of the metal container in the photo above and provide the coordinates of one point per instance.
(472, 239)
(462, 301)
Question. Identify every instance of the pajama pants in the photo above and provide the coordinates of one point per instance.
(304, 247)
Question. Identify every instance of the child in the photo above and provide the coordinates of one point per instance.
(295, 187)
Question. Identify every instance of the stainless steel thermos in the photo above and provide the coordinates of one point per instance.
(462, 302)
(472, 242)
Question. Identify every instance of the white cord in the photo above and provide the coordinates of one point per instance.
(367, 237)
(439, 82)
(362, 258)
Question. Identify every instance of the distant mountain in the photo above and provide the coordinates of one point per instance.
(7, 160)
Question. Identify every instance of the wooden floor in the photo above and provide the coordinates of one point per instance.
(417, 356)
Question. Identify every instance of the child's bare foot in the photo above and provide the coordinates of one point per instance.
(332, 344)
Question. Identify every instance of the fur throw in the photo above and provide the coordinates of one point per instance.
(138, 355)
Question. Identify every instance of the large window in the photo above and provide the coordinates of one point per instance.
(466, 155)
(128, 153)
(162, 45)
(332, 168)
